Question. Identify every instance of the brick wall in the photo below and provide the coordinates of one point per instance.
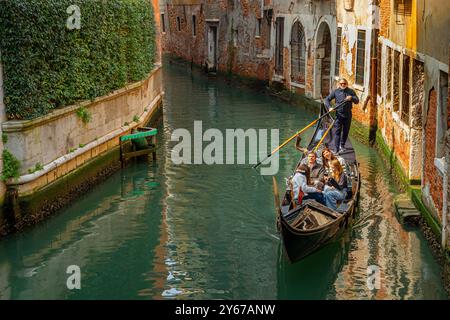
(310, 69)
(183, 43)
(385, 15)
(432, 178)
(240, 51)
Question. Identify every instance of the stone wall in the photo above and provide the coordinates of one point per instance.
(62, 142)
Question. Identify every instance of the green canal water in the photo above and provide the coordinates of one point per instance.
(166, 231)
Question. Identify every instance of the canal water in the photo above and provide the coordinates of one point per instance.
(166, 231)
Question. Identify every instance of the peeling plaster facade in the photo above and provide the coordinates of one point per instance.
(352, 17)
(246, 41)
(318, 20)
(225, 38)
(413, 94)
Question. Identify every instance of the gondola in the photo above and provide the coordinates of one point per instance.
(310, 226)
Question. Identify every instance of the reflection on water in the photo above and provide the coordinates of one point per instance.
(165, 231)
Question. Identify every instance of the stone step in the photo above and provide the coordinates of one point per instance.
(405, 209)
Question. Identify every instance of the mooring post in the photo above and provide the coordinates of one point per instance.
(11, 208)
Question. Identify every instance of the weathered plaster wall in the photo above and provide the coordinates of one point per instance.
(432, 31)
(183, 43)
(363, 16)
(314, 16)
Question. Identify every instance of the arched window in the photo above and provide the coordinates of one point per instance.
(298, 53)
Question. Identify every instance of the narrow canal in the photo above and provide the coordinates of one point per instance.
(169, 231)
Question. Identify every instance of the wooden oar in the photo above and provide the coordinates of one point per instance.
(276, 195)
(297, 133)
(323, 137)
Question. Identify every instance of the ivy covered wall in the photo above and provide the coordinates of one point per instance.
(49, 63)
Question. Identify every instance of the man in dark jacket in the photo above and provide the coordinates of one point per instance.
(343, 94)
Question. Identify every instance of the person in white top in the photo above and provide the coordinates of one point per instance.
(302, 189)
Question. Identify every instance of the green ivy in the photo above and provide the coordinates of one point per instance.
(136, 118)
(47, 66)
(37, 167)
(84, 114)
(11, 166)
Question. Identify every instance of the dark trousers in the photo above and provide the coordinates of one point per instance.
(341, 127)
(318, 196)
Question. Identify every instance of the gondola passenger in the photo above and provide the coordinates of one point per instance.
(336, 185)
(316, 169)
(302, 188)
(327, 157)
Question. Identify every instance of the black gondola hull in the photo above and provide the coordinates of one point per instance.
(299, 243)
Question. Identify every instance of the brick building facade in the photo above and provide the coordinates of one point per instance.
(412, 93)
(283, 41)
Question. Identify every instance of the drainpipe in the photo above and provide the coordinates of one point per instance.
(262, 9)
(373, 79)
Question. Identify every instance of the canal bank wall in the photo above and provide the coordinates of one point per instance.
(64, 153)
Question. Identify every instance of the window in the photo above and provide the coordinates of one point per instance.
(266, 28)
(378, 60)
(338, 51)
(178, 24)
(396, 82)
(163, 23)
(258, 28)
(194, 25)
(298, 53)
(388, 74)
(405, 89)
(403, 7)
(279, 45)
(360, 57)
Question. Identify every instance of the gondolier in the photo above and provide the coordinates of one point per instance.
(309, 225)
(343, 114)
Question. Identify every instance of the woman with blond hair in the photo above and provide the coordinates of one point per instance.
(336, 185)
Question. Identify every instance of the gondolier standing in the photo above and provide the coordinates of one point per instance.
(343, 114)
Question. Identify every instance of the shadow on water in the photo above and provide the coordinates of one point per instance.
(312, 277)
